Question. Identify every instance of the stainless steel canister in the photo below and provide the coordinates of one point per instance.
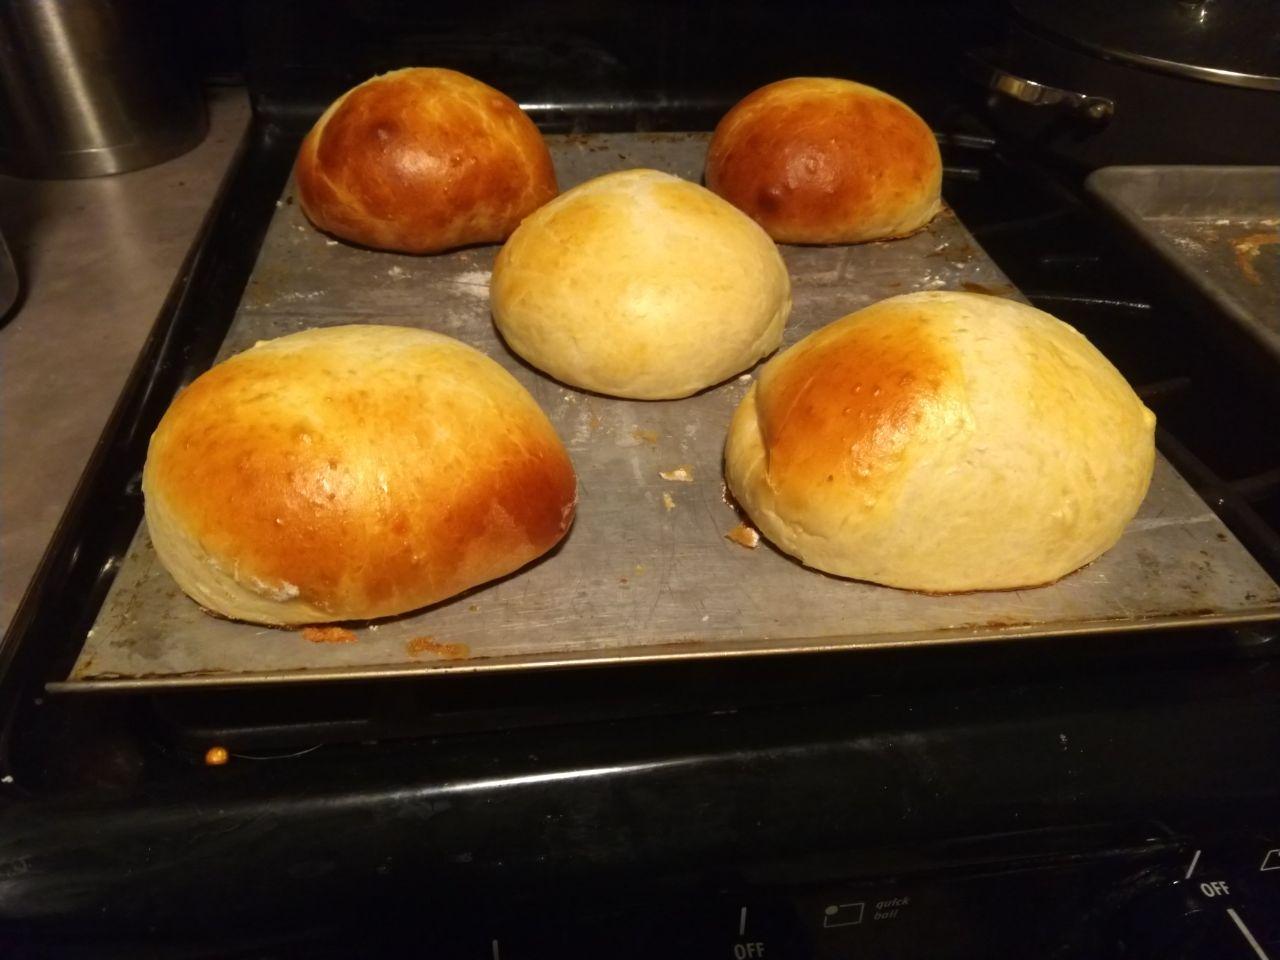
(92, 87)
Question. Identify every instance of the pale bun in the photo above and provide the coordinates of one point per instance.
(639, 284)
(352, 472)
(821, 160)
(422, 160)
(942, 442)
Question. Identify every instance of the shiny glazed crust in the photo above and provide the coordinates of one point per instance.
(640, 284)
(422, 160)
(349, 473)
(942, 442)
(821, 160)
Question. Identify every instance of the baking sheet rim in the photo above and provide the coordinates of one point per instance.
(676, 651)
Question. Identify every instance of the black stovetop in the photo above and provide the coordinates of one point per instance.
(641, 812)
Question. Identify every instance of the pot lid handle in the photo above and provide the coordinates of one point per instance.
(999, 80)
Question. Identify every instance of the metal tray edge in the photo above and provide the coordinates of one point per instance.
(1106, 185)
(670, 653)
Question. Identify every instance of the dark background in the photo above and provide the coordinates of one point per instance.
(580, 54)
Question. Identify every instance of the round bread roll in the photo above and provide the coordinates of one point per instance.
(819, 160)
(640, 284)
(942, 442)
(421, 160)
(349, 473)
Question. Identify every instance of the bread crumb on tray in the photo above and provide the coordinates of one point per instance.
(681, 474)
(216, 757)
(744, 536)
(668, 502)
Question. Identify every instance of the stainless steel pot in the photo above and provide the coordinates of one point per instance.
(1143, 81)
(92, 87)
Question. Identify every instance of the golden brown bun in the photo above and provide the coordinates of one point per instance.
(422, 160)
(640, 284)
(942, 442)
(349, 473)
(819, 160)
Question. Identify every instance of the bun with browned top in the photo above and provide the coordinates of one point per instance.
(422, 160)
(349, 473)
(821, 160)
(942, 442)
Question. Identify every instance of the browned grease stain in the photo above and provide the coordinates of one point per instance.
(328, 635)
(445, 651)
(1247, 250)
(645, 436)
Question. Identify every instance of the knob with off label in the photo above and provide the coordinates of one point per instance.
(1203, 918)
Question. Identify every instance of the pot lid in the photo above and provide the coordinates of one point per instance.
(1234, 42)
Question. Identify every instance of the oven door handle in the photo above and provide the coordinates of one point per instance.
(1095, 109)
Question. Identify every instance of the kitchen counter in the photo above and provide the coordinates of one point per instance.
(97, 258)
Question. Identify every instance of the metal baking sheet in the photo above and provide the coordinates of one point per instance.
(1219, 227)
(639, 578)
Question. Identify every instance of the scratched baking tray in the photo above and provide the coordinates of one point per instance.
(1218, 227)
(646, 572)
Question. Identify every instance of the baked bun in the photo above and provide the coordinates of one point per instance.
(640, 284)
(422, 160)
(818, 160)
(942, 442)
(349, 473)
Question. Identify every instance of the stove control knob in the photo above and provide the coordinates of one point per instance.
(1205, 918)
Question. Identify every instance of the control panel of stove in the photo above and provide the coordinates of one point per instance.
(1217, 905)
(1218, 902)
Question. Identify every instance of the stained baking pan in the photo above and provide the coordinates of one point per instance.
(1216, 228)
(647, 572)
